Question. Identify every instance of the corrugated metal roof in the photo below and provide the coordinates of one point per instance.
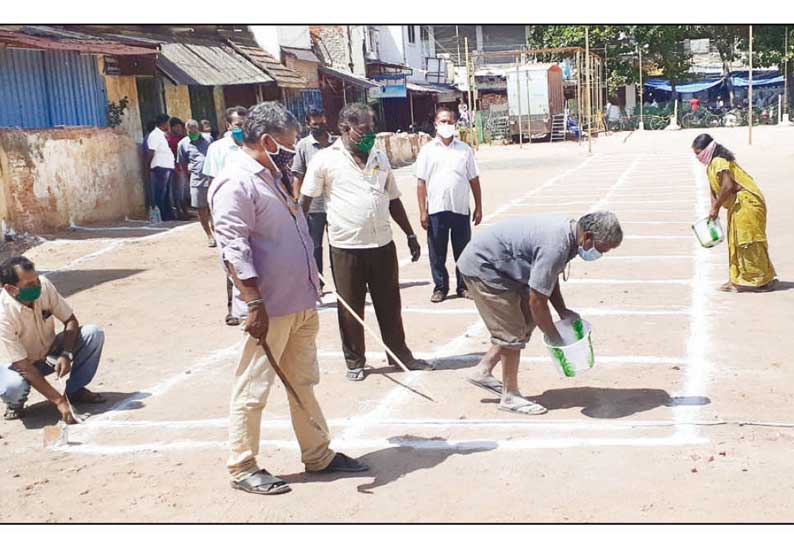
(301, 54)
(247, 46)
(42, 89)
(351, 78)
(192, 62)
(56, 39)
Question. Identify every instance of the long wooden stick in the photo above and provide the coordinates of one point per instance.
(290, 390)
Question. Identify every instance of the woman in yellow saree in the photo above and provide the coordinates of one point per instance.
(750, 268)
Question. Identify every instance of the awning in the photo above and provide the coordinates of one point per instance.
(207, 63)
(248, 47)
(739, 81)
(683, 88)
(55, 39)
(347, 77)
(306, 55)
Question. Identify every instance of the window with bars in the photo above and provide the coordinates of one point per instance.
(411, 34)
(424, 33)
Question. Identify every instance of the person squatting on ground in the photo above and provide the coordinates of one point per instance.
(191, 152)
(360, 195)
(179, 185)
(749, 266)
(216, 157)
(30, 350)
(160, 161)
(512, 272)
(265, 244)
(445, 172)
(318, 139)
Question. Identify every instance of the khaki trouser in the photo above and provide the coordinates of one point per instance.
(292, 340)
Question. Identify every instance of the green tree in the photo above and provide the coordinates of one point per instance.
(664, 46)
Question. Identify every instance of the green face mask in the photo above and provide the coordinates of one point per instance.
(194, 136)
(29, 294)
(365, 142)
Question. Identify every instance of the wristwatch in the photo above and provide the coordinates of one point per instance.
(412, 236)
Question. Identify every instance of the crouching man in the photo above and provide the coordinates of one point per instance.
(30, 350)
(512, 273)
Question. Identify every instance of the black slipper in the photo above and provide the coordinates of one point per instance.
(262, 483)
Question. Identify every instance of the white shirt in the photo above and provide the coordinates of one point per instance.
(447, 170)
(163, 157)
(217, 153)
(28, 333)
(357, 201)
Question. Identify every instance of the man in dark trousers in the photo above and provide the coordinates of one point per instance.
(361, 195)
(446, 172)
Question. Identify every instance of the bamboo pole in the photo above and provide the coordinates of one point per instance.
(641, 125)
(518, 101)
(469, 78)
(785, 76)
(588, 104)
(529, 108)
(579, 92)
(750, 94)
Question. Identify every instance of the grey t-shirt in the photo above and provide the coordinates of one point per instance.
(525, 251)
(305, 150)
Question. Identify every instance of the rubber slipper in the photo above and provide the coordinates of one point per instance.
(527, 407)
(488, 383)
(730, 288)
(232, 320)
(13, 413)
(341, 463)
(262, 483)
(356, 375)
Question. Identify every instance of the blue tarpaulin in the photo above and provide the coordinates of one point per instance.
(683, 88)
(741, 81)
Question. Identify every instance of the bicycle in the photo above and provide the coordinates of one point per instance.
(700, 119)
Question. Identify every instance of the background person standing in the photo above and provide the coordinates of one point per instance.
(160, 160)
(446, 171)
(191, 151)
(318, 138)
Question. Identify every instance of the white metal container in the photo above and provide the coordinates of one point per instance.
(709, 233)
(576, 356)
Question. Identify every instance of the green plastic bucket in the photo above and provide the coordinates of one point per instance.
(576, 357)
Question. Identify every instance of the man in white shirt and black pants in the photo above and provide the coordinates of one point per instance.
(361, 197)
(446, 171)
(161, 162)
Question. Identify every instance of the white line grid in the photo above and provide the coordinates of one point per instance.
(356, 430)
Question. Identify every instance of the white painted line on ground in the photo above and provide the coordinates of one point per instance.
(611, 258)
(431, 443)
(466, 358)
(657, 237)
(629, 281)
(697, 344)
(587, 311)
(654, 222)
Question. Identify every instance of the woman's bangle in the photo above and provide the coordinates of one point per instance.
(255, 302)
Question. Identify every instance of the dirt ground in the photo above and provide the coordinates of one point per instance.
(657, 431)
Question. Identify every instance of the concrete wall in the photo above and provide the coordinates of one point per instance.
(307, 69)
(117, 88)
(177, 100)
(401, 149)
(51, 177)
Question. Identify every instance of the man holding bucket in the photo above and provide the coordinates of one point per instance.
(512, 273)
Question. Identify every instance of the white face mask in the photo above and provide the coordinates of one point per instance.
(446, 130)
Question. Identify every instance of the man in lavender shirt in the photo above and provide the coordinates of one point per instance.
(266, 247)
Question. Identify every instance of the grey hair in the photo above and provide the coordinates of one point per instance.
(354, 114)
(192, 123)
(604, 226)
(268, 118)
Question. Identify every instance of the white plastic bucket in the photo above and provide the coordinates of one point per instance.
(708, 232)
(576, 356)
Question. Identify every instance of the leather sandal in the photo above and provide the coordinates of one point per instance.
(262, 483)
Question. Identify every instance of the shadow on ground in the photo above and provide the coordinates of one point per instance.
(74, 281)
(43, 413)
(610, 403)
(390, 464)
(121, 230)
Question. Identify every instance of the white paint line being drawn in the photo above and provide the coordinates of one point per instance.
(654, 222)
(466, 358)
(697, 344)
(415, 443)
(587, 311)
(611, 258)
(629, 281)
(657, 237)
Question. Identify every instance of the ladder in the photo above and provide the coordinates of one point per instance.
(558, 128)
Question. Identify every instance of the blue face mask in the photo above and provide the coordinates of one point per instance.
(590, 255)
(237, 135)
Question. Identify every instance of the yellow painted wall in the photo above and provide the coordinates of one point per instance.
(177, 100)
(117, 87)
